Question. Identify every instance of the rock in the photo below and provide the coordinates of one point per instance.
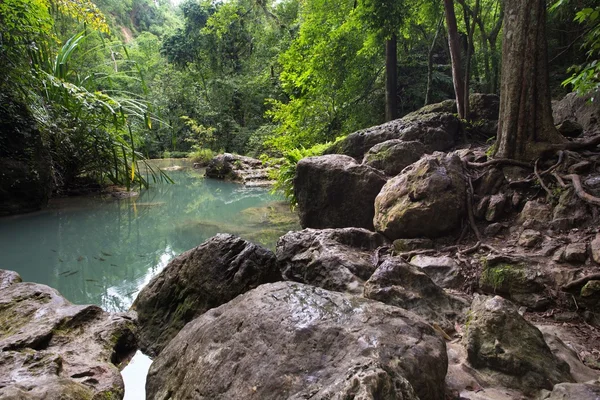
(495, 208)
(493, 229)
(25, 165)
(393, 156)
(334, 259)
(199, 279)
(334, 191)
(578, 109)
(595, 249)
(579, 371)
(442, 270)
(530, 238)
(570, 128)
(509, 349)
(575, 391)
(8, 278)
(489, 183)
(402, 245)
(446, 106)
(404, 285)
(521, 283)
(437, 131)
(537, 212)
(484, 106)
(591, 288)
(426, 199)
(293, 341)
(233, 167)
(570, 211)
(575, 253)
(52, 349)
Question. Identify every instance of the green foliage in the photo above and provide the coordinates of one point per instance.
(201, 156)
(175, 154)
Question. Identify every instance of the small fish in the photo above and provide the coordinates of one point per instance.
(65, 272)
(141, 255)
(53, 250)
(80, 258)
(94, 257)
(106, 254)
(72, 273)
(60, 259)
(101, 259)
(113, 265)
(91, 280)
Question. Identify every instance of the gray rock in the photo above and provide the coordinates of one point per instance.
(446, 106)
(293, 341)
(426, 199)
(495, 208)
(442, 270)
(484, 106)
(334, 191)
(393, 156)
(52, 349)
(402, 245)
(233, 167)
(437, 131)
(575, 391)
(8, 278)
(493, 229)
(538, 212)
(570, 211)
(201, 278)
(595, 249)
(404, 285)
(489, 183)
(530, 238)
(578, 109)
(570, 128)
(334, 259)
(575, 253)
(507, 347)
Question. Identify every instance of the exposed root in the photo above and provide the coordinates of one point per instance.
(500, 161)
(539, 178)
(582, 194)
(575, 146)
(580, 282)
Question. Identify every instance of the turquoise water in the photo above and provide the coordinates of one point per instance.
(103, 250)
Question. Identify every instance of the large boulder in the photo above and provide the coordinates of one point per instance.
(199, 279)
(437, 131)
(293, 341)
(401, 284)
(52, 349)
(233, 167)
(334, 259)
(484, 106)
(426, 199)
(578, 109)
(393, 156)
(505, 348)
(334, 191)
(25, 168)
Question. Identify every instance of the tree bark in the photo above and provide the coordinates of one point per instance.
(454, 44)
(391, 83)
(525, 125)
(429, 90)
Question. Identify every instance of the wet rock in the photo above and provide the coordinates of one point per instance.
(437, 131)
(199, 279)
(530, 238)
(334, 191)
(575, 391)
(426, 199)
(575, 253)
(578, 109)
(442, 270)
(52, 349)
(509, 349)
(579, 371)
(404, 285)
(595, 249)
(233, 167)
(8, 278)
(393, 156)
(309, 343)
(334, 259)
(495, 208)
(402, 245)
(570, 128)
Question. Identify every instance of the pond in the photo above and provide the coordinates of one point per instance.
(102, 250)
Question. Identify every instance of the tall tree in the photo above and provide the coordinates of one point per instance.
(525, 125)
(457, 74)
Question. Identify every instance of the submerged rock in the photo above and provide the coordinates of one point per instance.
(401, 284)
(293, 341)
(199, 279)
(334, 191)
(426, 200)
(334, 259)
(509, 351)
(52, 349)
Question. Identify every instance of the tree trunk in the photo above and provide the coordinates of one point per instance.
(525, 122)
(391, 83)
(454, 44)
(429, 89)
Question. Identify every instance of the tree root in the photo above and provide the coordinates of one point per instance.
(582, 194)
(500, 161)
(538, 176)
(580, 282)
(575, 146)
